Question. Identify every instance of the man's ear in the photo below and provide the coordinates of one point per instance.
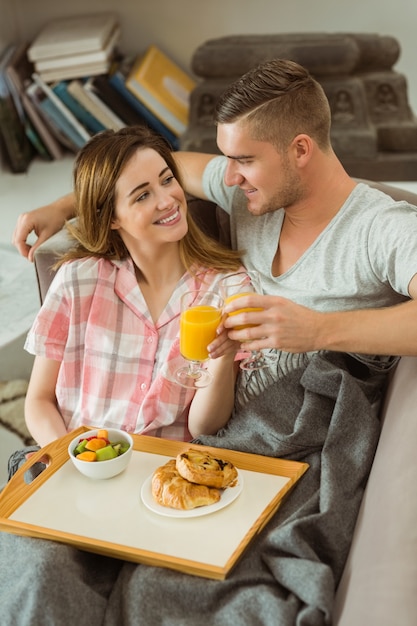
(302, 146)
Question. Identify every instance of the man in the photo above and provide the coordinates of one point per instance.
(338, 263)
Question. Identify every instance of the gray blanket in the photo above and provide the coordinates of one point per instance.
(322, 412)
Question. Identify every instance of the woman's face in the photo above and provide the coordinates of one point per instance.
(151, 208)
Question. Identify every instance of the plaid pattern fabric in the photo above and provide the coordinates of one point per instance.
(114, 359)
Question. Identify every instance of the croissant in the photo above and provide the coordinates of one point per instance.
(171, 490)
(202, 468)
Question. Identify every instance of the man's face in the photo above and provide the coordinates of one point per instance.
(268, 178)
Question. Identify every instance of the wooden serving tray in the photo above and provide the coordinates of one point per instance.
(108, 516)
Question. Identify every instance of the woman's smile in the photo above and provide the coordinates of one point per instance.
(170, 218)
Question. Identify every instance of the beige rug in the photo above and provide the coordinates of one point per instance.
(12, 400)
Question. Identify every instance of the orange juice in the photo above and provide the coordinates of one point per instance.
(197, 329)
(244, 310)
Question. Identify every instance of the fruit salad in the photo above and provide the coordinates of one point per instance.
(99, 448)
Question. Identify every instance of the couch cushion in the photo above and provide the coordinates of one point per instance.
(379, 584)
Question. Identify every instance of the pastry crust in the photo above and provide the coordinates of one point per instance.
(202, 468)
(171, 490)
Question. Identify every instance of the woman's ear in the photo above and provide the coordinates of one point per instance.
(115, 224)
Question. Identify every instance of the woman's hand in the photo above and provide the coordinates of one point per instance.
(44, 459)
(223, 345)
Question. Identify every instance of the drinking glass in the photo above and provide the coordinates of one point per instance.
(235, 286)
(201, 313)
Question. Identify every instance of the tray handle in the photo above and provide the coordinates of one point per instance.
(17, 490)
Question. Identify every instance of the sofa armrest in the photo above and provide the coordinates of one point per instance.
(378, 586)
(46, 255)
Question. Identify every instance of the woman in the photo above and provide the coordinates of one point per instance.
(106, 337)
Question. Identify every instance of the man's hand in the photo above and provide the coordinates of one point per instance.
(280, 324)
(44, 222)
(285, 325)
(35, 221)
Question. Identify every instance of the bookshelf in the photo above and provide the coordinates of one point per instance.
(21, 22)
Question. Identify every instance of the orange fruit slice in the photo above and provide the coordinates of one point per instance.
(95, 444)
(87, 456)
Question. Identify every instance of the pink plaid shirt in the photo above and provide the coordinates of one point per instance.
(113, 357)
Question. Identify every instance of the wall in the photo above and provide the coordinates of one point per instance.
(181, 26)
(7, 22)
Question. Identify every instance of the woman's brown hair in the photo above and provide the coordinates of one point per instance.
(97, 169)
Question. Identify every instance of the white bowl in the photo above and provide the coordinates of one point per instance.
(102, 469)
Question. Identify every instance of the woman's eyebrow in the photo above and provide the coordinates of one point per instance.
(136, 189)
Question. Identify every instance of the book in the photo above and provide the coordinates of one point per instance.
(91, 123)
(69, 73)
(73, 35)
(84, 93)
(56, 122)
(18, 73)
(101, 56)
(117, 78)
(43, 130)
(111, 97)
(30, 131)
(37, 142)
(163, 87)
(78, 132)
(17, 147)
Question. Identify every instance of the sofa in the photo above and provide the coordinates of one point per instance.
(379, 582)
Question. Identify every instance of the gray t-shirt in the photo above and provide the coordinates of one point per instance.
(365, 257)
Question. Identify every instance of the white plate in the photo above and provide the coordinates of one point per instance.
(226, 498)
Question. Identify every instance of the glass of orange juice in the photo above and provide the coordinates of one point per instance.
(235, 286)
(201, 313)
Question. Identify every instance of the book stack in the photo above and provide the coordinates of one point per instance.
(73, 47)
